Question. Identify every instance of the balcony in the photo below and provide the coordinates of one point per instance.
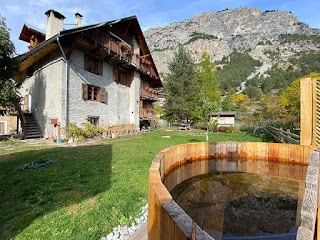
(149, 94)
(107, 47)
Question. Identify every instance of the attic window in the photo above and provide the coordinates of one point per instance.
(94, 93)
(93, 65)
(121, 76)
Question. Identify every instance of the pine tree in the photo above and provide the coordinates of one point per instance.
(179, 87)
(8, 67)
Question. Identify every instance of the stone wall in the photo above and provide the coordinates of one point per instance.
(122, 103)
(10, 123)
(45, 89)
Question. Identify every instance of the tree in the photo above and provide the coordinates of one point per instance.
(8, 67)
(290, 100)
(179, 87)
(228, 105)
(240, 100)
(271, 107)
(157, 113)
(208, 93)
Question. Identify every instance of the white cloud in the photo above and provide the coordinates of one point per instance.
(15, 9)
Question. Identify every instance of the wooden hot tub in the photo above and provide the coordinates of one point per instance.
(166, 220)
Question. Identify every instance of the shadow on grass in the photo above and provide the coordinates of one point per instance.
(195, 140)
(76, 174)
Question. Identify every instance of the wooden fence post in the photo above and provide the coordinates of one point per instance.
(305, 111)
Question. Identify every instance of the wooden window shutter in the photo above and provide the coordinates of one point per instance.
(128, 79)
(84, 91)
(102, 95)
(116, 74)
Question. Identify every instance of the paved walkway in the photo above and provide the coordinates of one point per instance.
(141, 233)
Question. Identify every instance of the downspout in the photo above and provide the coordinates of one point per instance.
(66, 83)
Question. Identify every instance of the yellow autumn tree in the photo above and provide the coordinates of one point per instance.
(270, 107)
(289, 100)
(240, 100)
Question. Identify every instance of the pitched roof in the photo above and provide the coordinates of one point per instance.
(230, 113)
(29, 30)
(51, 44)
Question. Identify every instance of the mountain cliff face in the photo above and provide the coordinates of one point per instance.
(264, 35)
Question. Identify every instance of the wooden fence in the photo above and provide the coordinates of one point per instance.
(282, 136)
(166, 220)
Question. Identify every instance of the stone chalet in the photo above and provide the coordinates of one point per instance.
(102, 73)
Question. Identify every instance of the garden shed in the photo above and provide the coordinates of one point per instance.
(223, 119)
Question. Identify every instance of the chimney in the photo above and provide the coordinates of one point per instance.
(55, 21)
(78, 20)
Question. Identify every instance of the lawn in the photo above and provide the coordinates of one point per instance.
(88, 190)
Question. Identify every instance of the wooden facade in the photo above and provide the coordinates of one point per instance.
(164, 219)
(310, 111)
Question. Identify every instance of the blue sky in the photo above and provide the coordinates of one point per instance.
(150, 13)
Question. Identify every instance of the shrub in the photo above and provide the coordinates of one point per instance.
(72, 130)
(231, 130)
(226, 129)
(222, 128)
(90, 130)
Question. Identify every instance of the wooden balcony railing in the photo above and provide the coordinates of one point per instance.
(145, 67)
(149, 94)
(112, 47)
(146, 113)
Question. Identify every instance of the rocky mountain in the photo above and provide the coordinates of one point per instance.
(273, 37)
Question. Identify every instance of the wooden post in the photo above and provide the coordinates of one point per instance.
(314, 111)
(59, 140)
(305, 112)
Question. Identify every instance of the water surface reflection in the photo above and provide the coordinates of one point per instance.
(240, 199)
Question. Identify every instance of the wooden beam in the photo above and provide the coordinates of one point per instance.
(127, 28)
(73, 45)
(37, 56)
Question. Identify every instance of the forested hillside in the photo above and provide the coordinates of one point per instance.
(254, 52)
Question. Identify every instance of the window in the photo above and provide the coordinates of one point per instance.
(94, 120)
(93, 65)
(2, 128)
(94, 93)
(121, 76)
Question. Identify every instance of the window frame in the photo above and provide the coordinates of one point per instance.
(122, 76)
(93, 65)
(94, 93)
(94, 120)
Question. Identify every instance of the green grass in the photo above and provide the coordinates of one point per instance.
(88, 190)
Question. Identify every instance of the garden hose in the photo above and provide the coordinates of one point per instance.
(37, 164)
